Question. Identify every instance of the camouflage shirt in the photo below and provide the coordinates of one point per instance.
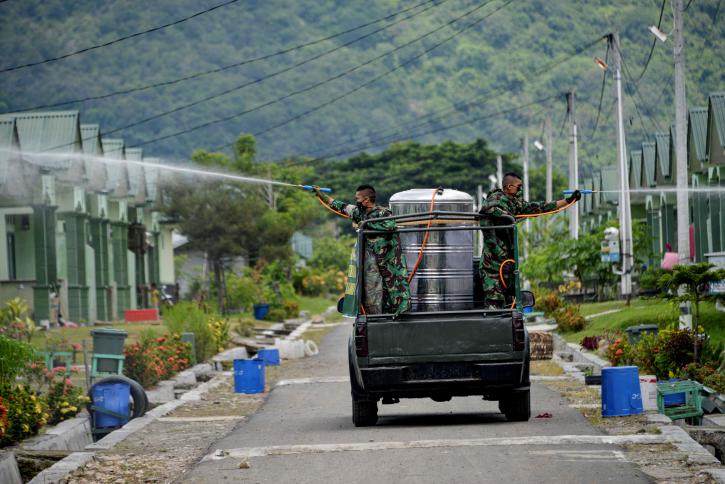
(498, 204)
(376, 243)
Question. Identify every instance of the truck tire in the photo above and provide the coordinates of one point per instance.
(364, 412)
(516, 406)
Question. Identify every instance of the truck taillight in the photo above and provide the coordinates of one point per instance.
(517, 324)
(361, 339)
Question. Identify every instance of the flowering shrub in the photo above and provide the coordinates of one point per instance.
(591, 343)
(26, 413)
(64, 400)
(319, 283)
(569, 319)
(549, 302)
(154, 359)
(220, 330)
(669, 354)
(3, 419)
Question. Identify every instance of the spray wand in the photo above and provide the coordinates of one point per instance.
(583, 192)
(309, 188)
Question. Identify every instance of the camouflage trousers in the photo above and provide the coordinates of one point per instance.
(492, 256)
(386, 284)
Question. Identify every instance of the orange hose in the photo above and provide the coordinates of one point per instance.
(425, 237)
(500, 271)
(331, 209)
(529, 215)
(513, 304)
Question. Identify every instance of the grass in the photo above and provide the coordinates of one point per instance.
(77, 335)
(316, 305)
(645, 311)
(546, 368)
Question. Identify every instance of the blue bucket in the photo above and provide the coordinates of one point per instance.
(248, 376)
(673, 399)
(621, 394)
(260, 311)
(113, 397)
(528, 309)
(270, 356)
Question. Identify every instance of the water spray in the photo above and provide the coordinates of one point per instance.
(58, 157)
(649, 190)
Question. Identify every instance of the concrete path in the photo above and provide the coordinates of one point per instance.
(304, 434)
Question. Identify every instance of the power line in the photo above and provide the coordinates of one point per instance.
(443, 128)
(313, 86)
(443, 113)
(628, 77)
(601, 94)
(269, 76)
(120, 39)
(652, 49)
(688, 6)
(228, 66)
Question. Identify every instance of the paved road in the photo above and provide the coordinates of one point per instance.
(304, 434)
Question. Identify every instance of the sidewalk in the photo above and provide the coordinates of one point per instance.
(168, 446)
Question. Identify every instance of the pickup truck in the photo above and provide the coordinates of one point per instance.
(438, 354)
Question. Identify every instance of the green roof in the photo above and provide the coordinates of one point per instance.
(151, 174)
(91, 139)
(697, 129)
(662, 153)
(635, 168)
(53, 131)
(136, 174)
(716, 116)
(648, 165)
(117, 174)
(610, 181)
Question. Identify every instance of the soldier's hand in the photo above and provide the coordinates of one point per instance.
(574, 197)
(316, 190)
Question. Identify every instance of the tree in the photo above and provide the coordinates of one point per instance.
(694, 279)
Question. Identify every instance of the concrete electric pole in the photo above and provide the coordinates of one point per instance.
(573, 164)
(527, 224)
(548, 142)
(625, 216)
(683, 210)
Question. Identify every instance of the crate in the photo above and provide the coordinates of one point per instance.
(693, 401)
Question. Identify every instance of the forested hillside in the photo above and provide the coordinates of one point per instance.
(509, 53)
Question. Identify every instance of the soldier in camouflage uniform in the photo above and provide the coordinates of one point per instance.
(498, 243)
(385, 271)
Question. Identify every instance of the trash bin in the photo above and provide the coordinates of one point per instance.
(190, 338)
(621, 394)
(109, 342)
(110, 404)
(260, 311)
(636, 332)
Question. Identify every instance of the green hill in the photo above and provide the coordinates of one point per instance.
(500, 62)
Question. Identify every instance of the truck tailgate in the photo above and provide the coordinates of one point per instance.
(440, 338)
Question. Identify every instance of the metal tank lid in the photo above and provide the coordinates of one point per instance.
(424, 195)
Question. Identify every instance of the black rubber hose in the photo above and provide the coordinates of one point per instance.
(140, 401)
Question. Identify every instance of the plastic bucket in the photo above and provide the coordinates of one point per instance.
(249, 376)
(260, 311)
(270, 356)
(673, 399)
(113, 397)
(620, 391)
(648, 385)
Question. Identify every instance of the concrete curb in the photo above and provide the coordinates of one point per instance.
(77, 460)
(696, 453)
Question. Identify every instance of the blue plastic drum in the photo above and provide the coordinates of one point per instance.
(113, 397)
(270, 356)
(248, 376)
(621, 394)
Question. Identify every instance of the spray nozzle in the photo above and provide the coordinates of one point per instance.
(439, 191)
(583, 192)
(310, 188)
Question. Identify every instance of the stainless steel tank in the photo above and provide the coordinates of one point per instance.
(444, 279)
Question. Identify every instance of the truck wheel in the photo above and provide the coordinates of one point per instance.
(516, 406)
(364, 412)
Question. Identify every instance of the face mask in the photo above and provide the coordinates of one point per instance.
(360, 206)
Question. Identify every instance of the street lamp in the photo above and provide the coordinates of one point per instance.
(658, 33)
(538, 145)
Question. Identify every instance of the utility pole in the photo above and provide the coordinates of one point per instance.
(683, 211)
(573, 164)
(499, 170)
(479, 202)
(549, 142)
(527, 224)
(625, 217)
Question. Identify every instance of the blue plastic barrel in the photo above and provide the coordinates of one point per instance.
(528, 309)
(270, 356)
(113, 397)
(260, 311)
(621, 394)
(249, 376)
